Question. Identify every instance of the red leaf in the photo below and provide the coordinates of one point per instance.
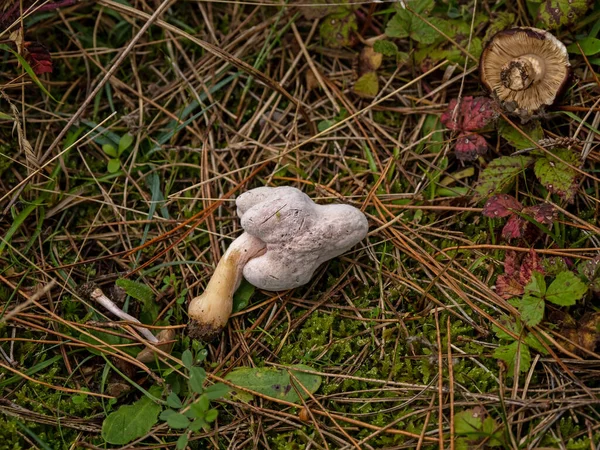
(477, 112)
(514, 227)
(38, 57)
(510, 263)
(531, 263)
(501, 206)
(469, 147)
(508, 287)
(543, 213)
(450, 119)
(472, 114)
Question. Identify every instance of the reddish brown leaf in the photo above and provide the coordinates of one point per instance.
(470, 146)
(532, 262)
(472, 114)
(501, 206)
(514, 227)
(543, 213)
(508, 287)
(38, 57)
(511, 264)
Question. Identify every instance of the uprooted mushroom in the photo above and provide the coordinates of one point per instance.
(287, 237)
(525, 69)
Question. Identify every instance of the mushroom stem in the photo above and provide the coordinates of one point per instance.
(210, 311)
(520, 73)
(98, 296)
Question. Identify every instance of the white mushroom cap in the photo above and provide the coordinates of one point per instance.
(525, 69)
(299, 235)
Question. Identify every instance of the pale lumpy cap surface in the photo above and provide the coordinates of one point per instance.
(299, 234)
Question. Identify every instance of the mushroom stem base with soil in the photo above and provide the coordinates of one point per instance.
(210, 311)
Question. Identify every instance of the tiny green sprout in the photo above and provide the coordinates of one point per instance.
(114, 163)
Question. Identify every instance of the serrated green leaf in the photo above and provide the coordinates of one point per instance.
(589, 45)
(556, 176)
(275, 382)
(138, 291)
(385, 47)
(174, 401)
(509, 354)
(501, 21)
(174, 419)
(500, 174)
(510, 324)
(537, 284)
(468, 422)
(130, 422)
(198, 424)
(532, 309)
(197, 377)
(533, 129)
(113, 165)
(109, 150)
(125, 142)
(535, 344)
(367, 85)
(566, 289)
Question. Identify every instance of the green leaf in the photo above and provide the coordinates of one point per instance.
(276, 382)
(174, 401)
(113, 165)
(532, 309)
(556, 176)
(28, 69)
(566, 289)
(109, 150)
(187, 359)
(510, 324)
(537, 284)
(385, 47)
(130, 422)
(174, 419)
(406, 24)
(468, 422)
(203, 403)
(367, 85)
(338, 30)
(535, 344)
(501, 21)
(557, 13)
(182, 442)
(589, 45)
(509, 354)
(198, 424)
(138, 291)
(244, 293)
(125, 142)
(516, 139)
(500, 174)
(197, 377)
(211, 415)
(216, 391)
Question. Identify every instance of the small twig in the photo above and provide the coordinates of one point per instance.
(98, 296)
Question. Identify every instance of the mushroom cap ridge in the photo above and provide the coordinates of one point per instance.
(514, 43)
(299, 234)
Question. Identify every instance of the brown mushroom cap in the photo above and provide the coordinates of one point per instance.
(525, 69)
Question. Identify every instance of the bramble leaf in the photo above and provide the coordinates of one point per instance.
(500, 174)
(513, 353)
(367, 86)
(556, 176)
(566, 289)
(532, 309)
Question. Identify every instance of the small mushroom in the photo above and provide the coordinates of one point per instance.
(287, 237)
(525, 69)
